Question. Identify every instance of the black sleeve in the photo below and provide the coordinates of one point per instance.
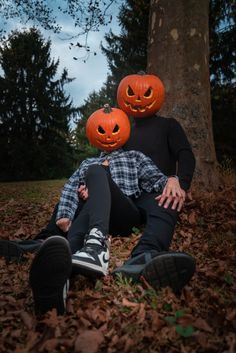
(180, 147)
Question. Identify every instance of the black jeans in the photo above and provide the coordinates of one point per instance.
(106, 208)
(159, 225)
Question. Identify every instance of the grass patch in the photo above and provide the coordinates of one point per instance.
(30, 190)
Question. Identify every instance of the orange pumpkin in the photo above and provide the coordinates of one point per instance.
(140, 95)
(108, 128)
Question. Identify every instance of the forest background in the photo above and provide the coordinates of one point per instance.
(37, 138)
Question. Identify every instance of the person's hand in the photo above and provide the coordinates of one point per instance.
(64, 224)
(172, 193)
(83, 192)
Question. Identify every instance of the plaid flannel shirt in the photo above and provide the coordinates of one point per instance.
(132, 171)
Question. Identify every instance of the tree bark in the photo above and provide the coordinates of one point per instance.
(178, 52)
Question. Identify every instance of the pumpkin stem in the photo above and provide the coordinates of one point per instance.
(142, 73)
(107, 109)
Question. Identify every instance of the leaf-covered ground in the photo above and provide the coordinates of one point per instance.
(119, 316)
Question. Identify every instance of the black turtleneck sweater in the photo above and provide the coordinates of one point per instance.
(164, 141)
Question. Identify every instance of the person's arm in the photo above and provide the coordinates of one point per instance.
(69, 198)
(181, 149)
(150, 177)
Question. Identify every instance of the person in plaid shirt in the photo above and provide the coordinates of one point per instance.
(113, 180)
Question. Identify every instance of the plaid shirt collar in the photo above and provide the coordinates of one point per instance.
(111, 154)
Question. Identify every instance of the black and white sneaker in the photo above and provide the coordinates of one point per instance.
(49, 275)
(93, 259)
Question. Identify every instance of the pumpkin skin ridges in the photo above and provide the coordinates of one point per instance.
(108, 130)
(140, 95)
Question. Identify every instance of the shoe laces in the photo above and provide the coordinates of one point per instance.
(95, 237)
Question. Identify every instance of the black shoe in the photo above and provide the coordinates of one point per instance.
(49, 275)
(15, 249)
(133, 267)
(170, 269)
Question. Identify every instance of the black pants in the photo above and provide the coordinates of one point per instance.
(159, 225)
(106, 208)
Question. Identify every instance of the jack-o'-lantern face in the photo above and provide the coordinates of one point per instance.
(108, 128)
(140, 95)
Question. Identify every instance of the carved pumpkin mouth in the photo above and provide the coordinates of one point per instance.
(137, 108)
(110, 144)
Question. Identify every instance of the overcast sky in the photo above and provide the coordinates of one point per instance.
(88, 76)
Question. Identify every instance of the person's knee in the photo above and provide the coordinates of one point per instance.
(152, 209)
(163, 216)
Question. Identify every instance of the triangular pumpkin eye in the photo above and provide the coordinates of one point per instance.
(129, 91)
(116, 129)
(148, 93)
(101, 130)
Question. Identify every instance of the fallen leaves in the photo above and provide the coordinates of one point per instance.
(121, 316)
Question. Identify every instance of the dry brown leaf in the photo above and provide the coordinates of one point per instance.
(231, 341)
(19, 232)
(201, 324)
(129, 343)
(157, 322)
(88, 341)
(192, 217)
(230, 225)
(231, 314)
(51, 319)
(128, 303)
(27, 319)
(202, 339)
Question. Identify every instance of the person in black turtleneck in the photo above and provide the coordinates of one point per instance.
(164, 141)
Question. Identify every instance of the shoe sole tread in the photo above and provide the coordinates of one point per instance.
(172, 271)
(49, 272)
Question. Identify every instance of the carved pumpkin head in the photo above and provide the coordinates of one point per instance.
(108, 128)
(140, 95)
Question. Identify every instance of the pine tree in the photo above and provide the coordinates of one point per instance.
(35, 111)
(223, 70)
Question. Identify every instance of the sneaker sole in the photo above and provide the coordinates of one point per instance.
(49, 272)
(170, 270)
(10, 250)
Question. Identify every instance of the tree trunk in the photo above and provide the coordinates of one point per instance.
(178, 52)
